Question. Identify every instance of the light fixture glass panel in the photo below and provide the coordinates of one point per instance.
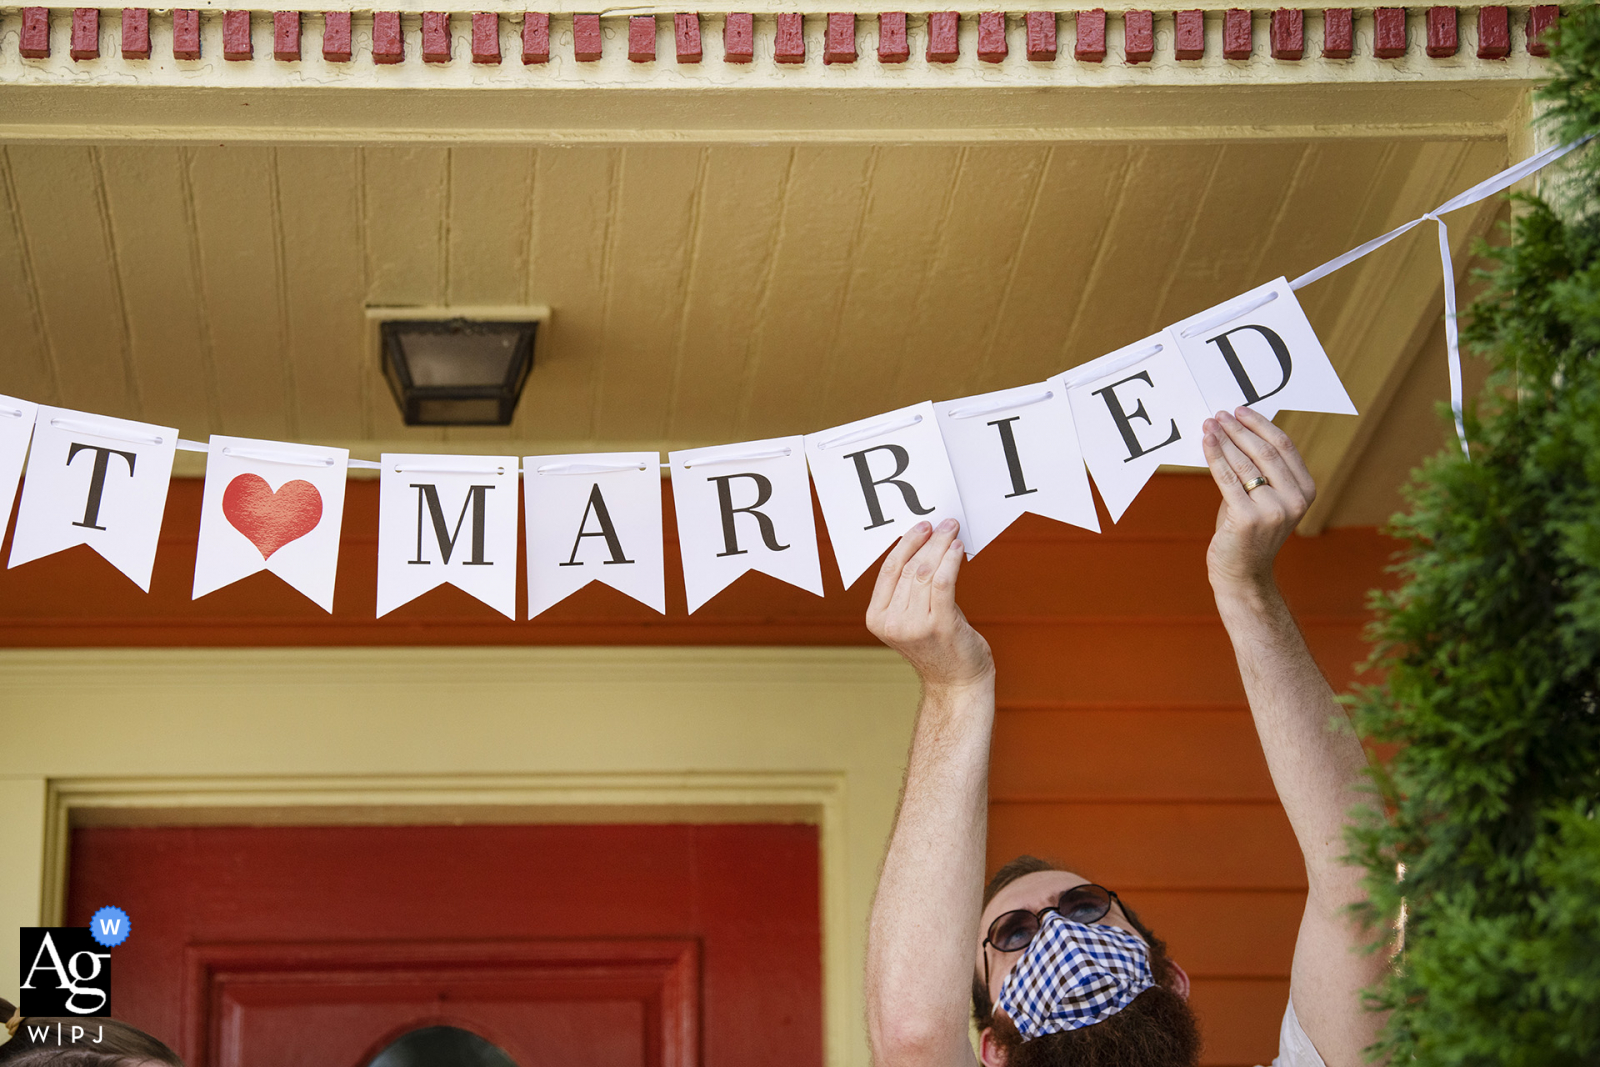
(459, 358)
(444, 411)
(457, 372)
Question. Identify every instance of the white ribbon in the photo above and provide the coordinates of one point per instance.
(1482, 191)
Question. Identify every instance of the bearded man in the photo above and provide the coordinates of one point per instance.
(1060, 970)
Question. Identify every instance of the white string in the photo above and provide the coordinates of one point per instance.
(999, 405)
(280, 457)
(738, 457)
(869, 432)
(1088, 372)
(425, 469)
(1229, 313)
(589, 468)
(1483, 190)
(95, 429)
(11, 413)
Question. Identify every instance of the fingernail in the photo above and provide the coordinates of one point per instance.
(1226, 416)
(922, 527)
(957, 545)
(1209, 425)
(947, 525)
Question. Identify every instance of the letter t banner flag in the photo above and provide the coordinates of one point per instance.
(1259, 349)
(879, 477)
(594, 517)
(96, 481)
(447, 519)
(270, 506)
(1135, 409)
(745, 507)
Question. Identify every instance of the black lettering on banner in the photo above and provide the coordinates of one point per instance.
(597, 505)
(477, 500)
(730, 536)
(1008, 444)
(97, 479)
(64, 972)
(1231, 357)
(1122, 418)
(869, 484)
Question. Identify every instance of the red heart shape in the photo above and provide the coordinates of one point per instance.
(271, 520)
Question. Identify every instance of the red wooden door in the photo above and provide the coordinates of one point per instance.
(611, 946)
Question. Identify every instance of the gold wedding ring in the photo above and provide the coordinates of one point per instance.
(1254, 483)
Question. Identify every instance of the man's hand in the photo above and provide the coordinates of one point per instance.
(1252, 524)
(914, 611)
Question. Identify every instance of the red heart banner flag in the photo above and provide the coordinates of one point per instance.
(271, 506)
(16, 430)
(97, 481)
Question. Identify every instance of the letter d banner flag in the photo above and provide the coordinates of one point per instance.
(594, 517)
(879, 477)
(1259, 350)
(447, 519)
(745, 507)
(96, 481)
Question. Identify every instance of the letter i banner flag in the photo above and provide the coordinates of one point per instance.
(594, 517)
(1135, 409)
(97, 481)
(271, 506)
(1014, 451)
(878, 477)
(1259, 349)
(16, 429)
(447, 519)
(745, 507)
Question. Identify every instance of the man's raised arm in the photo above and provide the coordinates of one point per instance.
(1266, 490)
(919, 945)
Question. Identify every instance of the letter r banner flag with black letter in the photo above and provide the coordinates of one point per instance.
(745, 507)
(447, 519)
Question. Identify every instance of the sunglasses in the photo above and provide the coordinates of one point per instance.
(1013, 931)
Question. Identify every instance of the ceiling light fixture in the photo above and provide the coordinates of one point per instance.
(456, 371)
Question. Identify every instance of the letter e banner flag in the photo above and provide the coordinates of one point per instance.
(878, 477)
(96, 481)
(1259, 349)
(1135, 409)
(745, 507)
(594, 517)
(1013, 451)
(447, 519)
(271, 506)
(16, 429)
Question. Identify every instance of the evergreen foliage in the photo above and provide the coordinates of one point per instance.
(1490, 649)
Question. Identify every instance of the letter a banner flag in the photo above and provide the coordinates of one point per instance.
(16, 428)
(447, 519)
(1259, 349)
(745, 507)
(594, 517)
(96, 481)
(1136, 409)
(270, 506)
(878, 477)
(1013, 451)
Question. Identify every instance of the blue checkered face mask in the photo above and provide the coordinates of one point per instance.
(1072, 976)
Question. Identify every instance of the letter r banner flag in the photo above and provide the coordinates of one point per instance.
(594, 517)
(745, 507)
(447, 519)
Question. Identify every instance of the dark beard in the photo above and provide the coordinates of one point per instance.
(1156, 1030)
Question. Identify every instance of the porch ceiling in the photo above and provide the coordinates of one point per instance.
(699, 294)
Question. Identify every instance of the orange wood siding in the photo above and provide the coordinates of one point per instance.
(1123, 747)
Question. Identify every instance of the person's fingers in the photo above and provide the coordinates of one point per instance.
(1222, 471)
(944, 579)
(925, 564)
(893, 564)
(1269, 432)
(1241, 464)
(1262, 454)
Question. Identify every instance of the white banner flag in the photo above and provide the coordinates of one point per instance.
(1135, 409)
(447, 519)
(1259, 349)
(16, 429)
(96, 481)
(271, 506)
(745, 507)
(1014, 451)
(594, 517)
(878, 477)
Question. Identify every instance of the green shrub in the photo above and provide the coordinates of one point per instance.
(1490, 651)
